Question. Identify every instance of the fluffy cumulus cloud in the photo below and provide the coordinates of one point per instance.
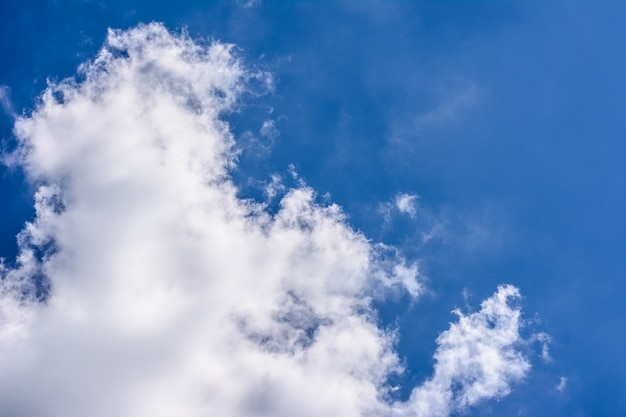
(146, 287)
(476, 359)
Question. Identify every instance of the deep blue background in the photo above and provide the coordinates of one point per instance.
(521, 162)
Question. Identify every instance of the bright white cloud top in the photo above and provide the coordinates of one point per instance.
(171, 296)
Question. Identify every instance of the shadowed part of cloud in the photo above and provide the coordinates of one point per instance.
(167, 295)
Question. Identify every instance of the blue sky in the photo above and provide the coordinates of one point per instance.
(503, 121)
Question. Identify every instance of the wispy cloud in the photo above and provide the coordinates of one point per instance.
(247, 4)
(269, 130)
(5, 101)
(403, 203)
(170, 296)
(455, 101)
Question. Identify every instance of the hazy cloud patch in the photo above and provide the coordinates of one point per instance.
(455, 101)
(5, 101)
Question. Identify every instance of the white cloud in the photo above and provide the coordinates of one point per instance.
(170, 296)
(476, 359)
(402, 202)
(406, 203)
(275, 186)
(560, 387)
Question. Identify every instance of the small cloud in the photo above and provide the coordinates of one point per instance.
(545, 340)
(275, 187)
(403, 202)
(261, 144)
(436, 229)
(476, 358)
(406, 203)
(5, 101)
(560, 387)
(269, 130)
